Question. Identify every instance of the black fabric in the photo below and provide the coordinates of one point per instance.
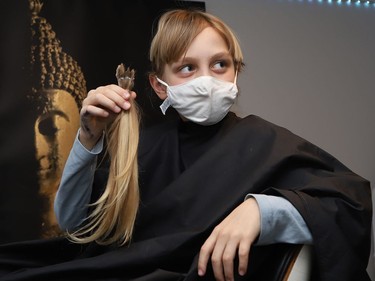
(191, 177)
(98, 35)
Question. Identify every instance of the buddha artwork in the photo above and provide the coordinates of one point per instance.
(58, 88)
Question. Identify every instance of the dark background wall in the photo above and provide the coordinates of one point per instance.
(99, 35)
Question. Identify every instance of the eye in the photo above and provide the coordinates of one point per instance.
(186, 69)
(220, 65)
(47, 127)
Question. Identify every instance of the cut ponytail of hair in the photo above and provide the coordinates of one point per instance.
(113, 216)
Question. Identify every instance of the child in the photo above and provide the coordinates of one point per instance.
(218, 193)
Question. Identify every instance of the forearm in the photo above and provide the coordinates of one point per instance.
(280, 222)
(74, 193)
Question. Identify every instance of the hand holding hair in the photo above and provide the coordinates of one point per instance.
(103, 104)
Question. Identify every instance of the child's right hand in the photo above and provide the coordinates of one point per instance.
(99, 109)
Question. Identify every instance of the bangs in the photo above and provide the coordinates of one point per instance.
(176, 31)
(179, 40)
(174, 37)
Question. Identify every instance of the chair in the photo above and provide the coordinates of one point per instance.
(280, 262)
(300, 265)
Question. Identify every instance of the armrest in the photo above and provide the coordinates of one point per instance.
(301, 265)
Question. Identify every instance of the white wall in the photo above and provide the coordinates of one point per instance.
(310, 67)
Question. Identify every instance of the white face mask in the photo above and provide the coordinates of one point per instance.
(204, 100)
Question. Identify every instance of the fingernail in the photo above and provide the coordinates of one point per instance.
(117, 109)
(200, 272)
(126, 105)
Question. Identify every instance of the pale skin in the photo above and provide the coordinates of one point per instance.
(99, 108)
(207, 55)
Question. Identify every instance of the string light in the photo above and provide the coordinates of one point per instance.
(358, 3)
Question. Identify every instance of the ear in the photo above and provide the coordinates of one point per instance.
(159, 88)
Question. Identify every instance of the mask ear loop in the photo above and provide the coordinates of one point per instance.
(166, 103)
(236, 75)
(162, 82)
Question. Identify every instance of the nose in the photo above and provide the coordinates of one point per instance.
(204, 71)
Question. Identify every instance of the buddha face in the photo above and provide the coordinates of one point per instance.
(55, 130)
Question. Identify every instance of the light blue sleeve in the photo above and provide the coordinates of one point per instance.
(280, 221)
(74, 193)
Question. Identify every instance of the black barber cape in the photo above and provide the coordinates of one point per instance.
(191, 178)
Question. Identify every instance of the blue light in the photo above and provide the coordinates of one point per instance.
(357, 3)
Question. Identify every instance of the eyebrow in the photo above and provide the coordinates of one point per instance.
(56, 112)
(216, 56)
(221, 55)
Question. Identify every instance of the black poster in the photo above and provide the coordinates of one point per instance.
(53, 52)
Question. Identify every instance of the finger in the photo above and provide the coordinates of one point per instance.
(116, 89)
(109, 101)
(114, 100)
(111, 97)
(123, 93)
(217, 256)
(205, 253)
(243, 255)
(94, 111)
(228, 257)
(133, 94)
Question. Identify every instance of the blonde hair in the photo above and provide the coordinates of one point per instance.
(114, 214)
(178, 28)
